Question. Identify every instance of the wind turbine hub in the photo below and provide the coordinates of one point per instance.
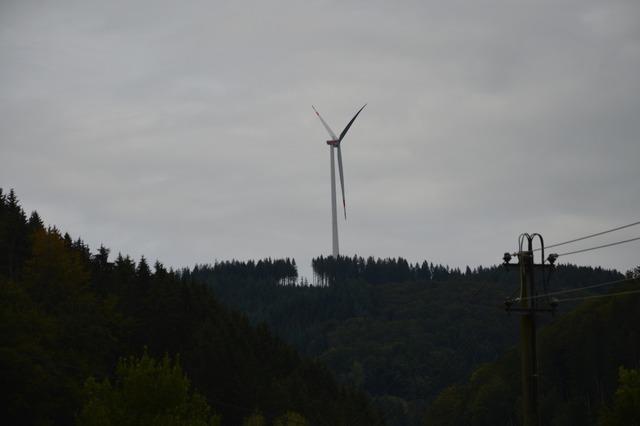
(333, 143)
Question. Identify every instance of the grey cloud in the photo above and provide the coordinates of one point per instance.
(184, 131)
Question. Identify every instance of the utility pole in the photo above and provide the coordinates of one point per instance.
(528, 307)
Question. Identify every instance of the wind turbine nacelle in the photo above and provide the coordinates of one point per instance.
(333, 143)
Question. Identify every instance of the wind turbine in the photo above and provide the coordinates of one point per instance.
(334, 144)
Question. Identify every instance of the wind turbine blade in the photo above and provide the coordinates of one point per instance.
(344, 205)
(344, 132)
(326, 126)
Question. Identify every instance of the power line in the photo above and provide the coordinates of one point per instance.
(573, 290)
(599, 247)
(572, 299)
(591, 235)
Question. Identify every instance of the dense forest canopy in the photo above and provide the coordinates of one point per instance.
(67, 316)
(584, 359)
(87, 336)
(401, 332)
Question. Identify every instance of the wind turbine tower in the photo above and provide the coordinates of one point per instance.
(334, 145)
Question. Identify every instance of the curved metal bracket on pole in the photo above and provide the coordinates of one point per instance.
(526, 304)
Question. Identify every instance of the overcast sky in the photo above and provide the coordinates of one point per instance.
(184, 130)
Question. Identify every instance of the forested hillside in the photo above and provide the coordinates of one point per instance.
(402, 332)
(67, 316)
(84, 334)
(582, 357)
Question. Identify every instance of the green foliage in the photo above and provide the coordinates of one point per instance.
(395, 409)
(145, 392)
(578, 355)
(255, 420)
(448, 407)
(27, 336)
(290, 418)
(55, 332)
(67, 314)
(488, 405)
(625, 409)
(14, 236)
(398, 331)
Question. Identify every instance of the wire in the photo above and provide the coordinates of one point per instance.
(572, 299)
(591, 235)
(599, 247)
(573, 290)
